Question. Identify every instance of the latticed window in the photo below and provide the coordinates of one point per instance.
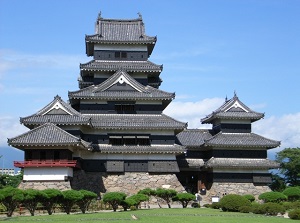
(129, 140)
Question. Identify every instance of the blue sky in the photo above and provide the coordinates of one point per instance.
(209, 49)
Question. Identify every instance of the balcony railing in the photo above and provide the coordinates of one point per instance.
(47, 163)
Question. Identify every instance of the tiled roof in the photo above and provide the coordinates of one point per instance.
(57, 112)
(128, 66)
(193, 137)
(175, 149)
(135, 121)
(190, 163)
(241, 140)
(138, 91)
(47, 134)
(120, 30)
(241, 163)
(233, 109)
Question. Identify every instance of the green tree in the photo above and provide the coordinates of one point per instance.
(84, 203)
(128, 202)
(166, 194)
(10, 180)
(50, 198)
(31, 199)
(149, 192)
(69, 199)
(278, 183)
(289, 160)
(272, 196)
(139, 198)
(114, 199)
(184, 198)
(292, 193)
(11, 198)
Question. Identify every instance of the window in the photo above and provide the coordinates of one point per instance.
(124, 108)
(129, 140)
(121, 54)
(117, 54)
(124, 55)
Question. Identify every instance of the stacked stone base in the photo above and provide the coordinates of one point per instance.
(129, 183)
(221, 189)
(41, 185)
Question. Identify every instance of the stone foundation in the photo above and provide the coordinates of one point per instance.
(129, 183)
(41, 185)
(221, 189)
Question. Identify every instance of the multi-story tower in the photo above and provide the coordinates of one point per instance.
(118, 137)
(228, 158)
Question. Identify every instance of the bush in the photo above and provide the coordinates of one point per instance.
(245, 209)
(195, 205)
(250, 197)
(292, 193)
(294, 214)
(257, 208)
(272, 208)
(233, 202)
(287, 205)
(207, 205)
(215, 205)
(272, 197)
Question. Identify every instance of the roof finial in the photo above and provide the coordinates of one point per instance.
(235, 95)
(140, 15)
(99, 15)
(226, 99)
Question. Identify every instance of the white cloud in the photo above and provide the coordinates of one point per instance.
(284, 128)
(193, 112)
(10, 127)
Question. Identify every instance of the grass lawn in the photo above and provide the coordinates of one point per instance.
(164, 215)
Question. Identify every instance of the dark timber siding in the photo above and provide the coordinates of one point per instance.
(110, 55)
(232, 128)
(239, 153)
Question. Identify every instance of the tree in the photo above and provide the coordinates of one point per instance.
(50, 198)
(31, 199)
(11, 198)
(184, 198)
(139, 198)
(84, 203)
(149, 192)
(278, 183)
(127, 203)
(272, 196)
(10, 180)
(292, 193)
(166, 194)
(289, 160)
(70, 197)
(114, 199)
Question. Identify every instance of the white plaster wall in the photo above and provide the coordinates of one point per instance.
(129, 47)
(44, 173)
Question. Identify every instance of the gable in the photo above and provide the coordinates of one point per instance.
(120, 87)
(57, 109)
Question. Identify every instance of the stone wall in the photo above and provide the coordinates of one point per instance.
(221, 189)
(41, 185)
(129, 183)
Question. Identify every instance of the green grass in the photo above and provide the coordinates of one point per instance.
(173, 215)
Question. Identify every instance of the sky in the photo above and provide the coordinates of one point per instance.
(209, 50)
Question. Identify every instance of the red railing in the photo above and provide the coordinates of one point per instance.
(47, 163)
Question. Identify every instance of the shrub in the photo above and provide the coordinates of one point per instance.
(215, 205)
(272, 197)
(294, 214)
(250, 197)
(292, 193)
(272, 208)
(287, 205)
(207, 205)
(257, 208)
(195, 205)
(245, 209)
(233, 202)
(296, 205)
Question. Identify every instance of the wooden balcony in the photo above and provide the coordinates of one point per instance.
(47, 163)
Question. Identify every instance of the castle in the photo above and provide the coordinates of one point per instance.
(112, 134)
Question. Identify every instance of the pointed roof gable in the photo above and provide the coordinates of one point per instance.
(58, 112)
(47, 134)
(233, 109)
(133, 90)
(119, 31)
